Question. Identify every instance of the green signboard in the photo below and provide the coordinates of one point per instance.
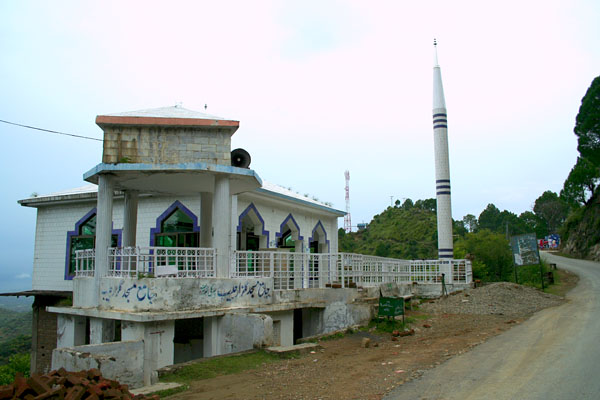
(391, 306)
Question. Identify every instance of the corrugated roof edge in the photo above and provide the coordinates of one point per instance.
(304, 202)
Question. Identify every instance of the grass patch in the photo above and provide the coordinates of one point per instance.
(170, 392)
(385, 325)
(213, 367)
(418, 317)
(333, 336)
(563, 282)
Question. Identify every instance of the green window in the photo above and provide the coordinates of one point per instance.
(177, 230)
(86, 239)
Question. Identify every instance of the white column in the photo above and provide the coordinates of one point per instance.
(222, 225)
(101, 330)
(206, 211)
(234, 221)
(70, 330)
(211, 337)
(130, 218)
(103, 230)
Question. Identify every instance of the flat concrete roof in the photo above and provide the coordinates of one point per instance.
(184, 178)
(90, 191)
(150, 316)
(166, 116)
(26, 293)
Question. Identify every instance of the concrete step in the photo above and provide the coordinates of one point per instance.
(297, 348)
(157, 387)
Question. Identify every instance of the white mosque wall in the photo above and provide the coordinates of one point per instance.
(56, 220)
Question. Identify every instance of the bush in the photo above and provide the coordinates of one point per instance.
(492, 257)
(17, 363)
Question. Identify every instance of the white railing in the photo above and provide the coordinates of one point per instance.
(85, 262)
(302, 270)
(289, 270)
(179, 262)
(285, 268)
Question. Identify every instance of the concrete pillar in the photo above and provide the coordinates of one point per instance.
(70, 330)
(206, 211)
(222, 225)
(103, 230)
(158, 348)
(211, 337)
(132, 331)
(234, 221)
(102, 330)
(130, 218)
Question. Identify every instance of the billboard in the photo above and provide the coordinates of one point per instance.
(525, 249)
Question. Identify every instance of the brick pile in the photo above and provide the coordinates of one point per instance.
(64, 385)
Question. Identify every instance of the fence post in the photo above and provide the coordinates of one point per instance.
(342, 274)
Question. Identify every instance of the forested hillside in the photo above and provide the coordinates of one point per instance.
(398, 232)
(581, 231)
(15, 333)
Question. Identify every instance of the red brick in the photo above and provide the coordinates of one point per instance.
(95, 389)
(6, 392)
(113, 394)
(74, 380)
(75, 393)
(94, 373)
(21, 386)
(38, 384)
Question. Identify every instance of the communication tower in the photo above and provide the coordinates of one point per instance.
(347, 219)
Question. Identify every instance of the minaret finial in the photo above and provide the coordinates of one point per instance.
(435, 59)
(434, 42)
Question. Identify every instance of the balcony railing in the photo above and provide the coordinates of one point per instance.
(302, 270)
(289, 270)
(85, 262)
(179, 262)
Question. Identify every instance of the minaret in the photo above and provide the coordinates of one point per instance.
(442, 164)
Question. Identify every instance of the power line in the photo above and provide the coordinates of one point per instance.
(48, 130)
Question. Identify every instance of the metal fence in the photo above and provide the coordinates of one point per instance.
(303, 270)
(85, 262)
(289, 270)
(151, 261)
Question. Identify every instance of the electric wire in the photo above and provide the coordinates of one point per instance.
(48, 130)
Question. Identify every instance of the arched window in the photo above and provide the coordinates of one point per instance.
(83, 237)
(176, 227)
(251, 233)
(289, 234)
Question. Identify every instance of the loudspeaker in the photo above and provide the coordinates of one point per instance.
(240, 158)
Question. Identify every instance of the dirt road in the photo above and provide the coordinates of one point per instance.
(554, 355)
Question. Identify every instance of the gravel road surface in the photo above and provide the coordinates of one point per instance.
(553, 355)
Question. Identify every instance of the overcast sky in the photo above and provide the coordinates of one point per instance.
(318, 87)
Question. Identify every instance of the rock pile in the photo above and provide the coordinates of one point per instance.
(65, 385)
(501, 298)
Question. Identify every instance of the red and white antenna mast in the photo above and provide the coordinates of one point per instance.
(347, 219)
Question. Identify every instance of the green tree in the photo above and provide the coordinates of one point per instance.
(427, 204)
(470, 222)
(533, 223)
(587, 124)
(490, 219)
(491, 254)
(408, 204)
(18, 363)
(581, 184)
(551, 209)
